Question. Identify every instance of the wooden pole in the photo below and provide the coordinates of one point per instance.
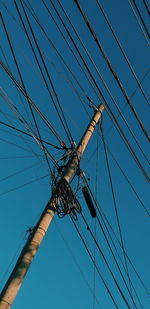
(14, 282)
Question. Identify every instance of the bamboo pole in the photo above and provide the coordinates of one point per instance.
(35, 238)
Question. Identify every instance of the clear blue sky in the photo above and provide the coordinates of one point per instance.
(62, 274)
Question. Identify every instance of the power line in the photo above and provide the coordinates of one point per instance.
(141, 18)
(146, 6)
(103, 216)
(104, 83)
(43, 117)
(24, 185)
(123, 52)
(138, 21)
(115, 206)
(27, 134)
(94, 263)
(104, 258)
(105, 103)
(111, 69)
(66, 128)
(22, 82)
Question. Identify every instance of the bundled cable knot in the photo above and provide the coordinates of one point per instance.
(66, 201)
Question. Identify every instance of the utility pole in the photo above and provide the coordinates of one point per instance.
(14, 282)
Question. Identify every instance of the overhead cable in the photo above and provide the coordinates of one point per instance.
(66, 128)
(112, 70)
(122, 50)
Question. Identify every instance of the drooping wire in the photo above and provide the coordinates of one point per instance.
(105, 220)
(106, 262)
(141, 18)
(66, 128)
(94, 263)
(24, 123)
(138, 21)
(146, 6)
(76, 262)
(99, 74)
(24, 185)
(43, 117)
(115, 206)
(112, 70)
(27, 134)
(23, 85)
(121, 48)
(105, 103)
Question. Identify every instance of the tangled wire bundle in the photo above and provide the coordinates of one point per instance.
(65, 200)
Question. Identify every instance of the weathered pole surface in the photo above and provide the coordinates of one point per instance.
(14, 282)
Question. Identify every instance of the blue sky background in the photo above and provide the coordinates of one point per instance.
(62, 274)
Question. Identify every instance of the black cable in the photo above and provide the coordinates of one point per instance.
(123, 52)
(104, 83)
(146, 6)
(20, 75)
(23, 185)
(40, 68)
(25, 133)
(94, 263)
(111, 69)
(105, 103)
(102, 254)
(141, 18)
(125, 56)
(103, 216)
(48, 124)
(108, 243)
(67, 130)
(138, 21)
(115, 206)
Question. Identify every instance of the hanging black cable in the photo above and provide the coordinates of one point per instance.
(115, 122)
(108, 243)
(48, 124)
(104, 218)
(40, 67)
(115, 205)
(96, 267)
(146, 6)
(20, 75)
(111, 69)
(99, 74)
(102, 254)
(123, 52)
(67, 130)
(141, 18)
(25, 133)
(117, 40)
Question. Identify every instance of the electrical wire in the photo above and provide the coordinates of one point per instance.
(22, 82)
(66, 128)
(106, 262)
(106, 105)
(94, 263)
(75, 260)
(141, 18)
(112, 69)
(115, 207)
(139, 23)
(24, 185)
(105, 220)
(122, 50)
(43, 117)
(25, 124)
(27, 134)
(104, 83)
(146, 6)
